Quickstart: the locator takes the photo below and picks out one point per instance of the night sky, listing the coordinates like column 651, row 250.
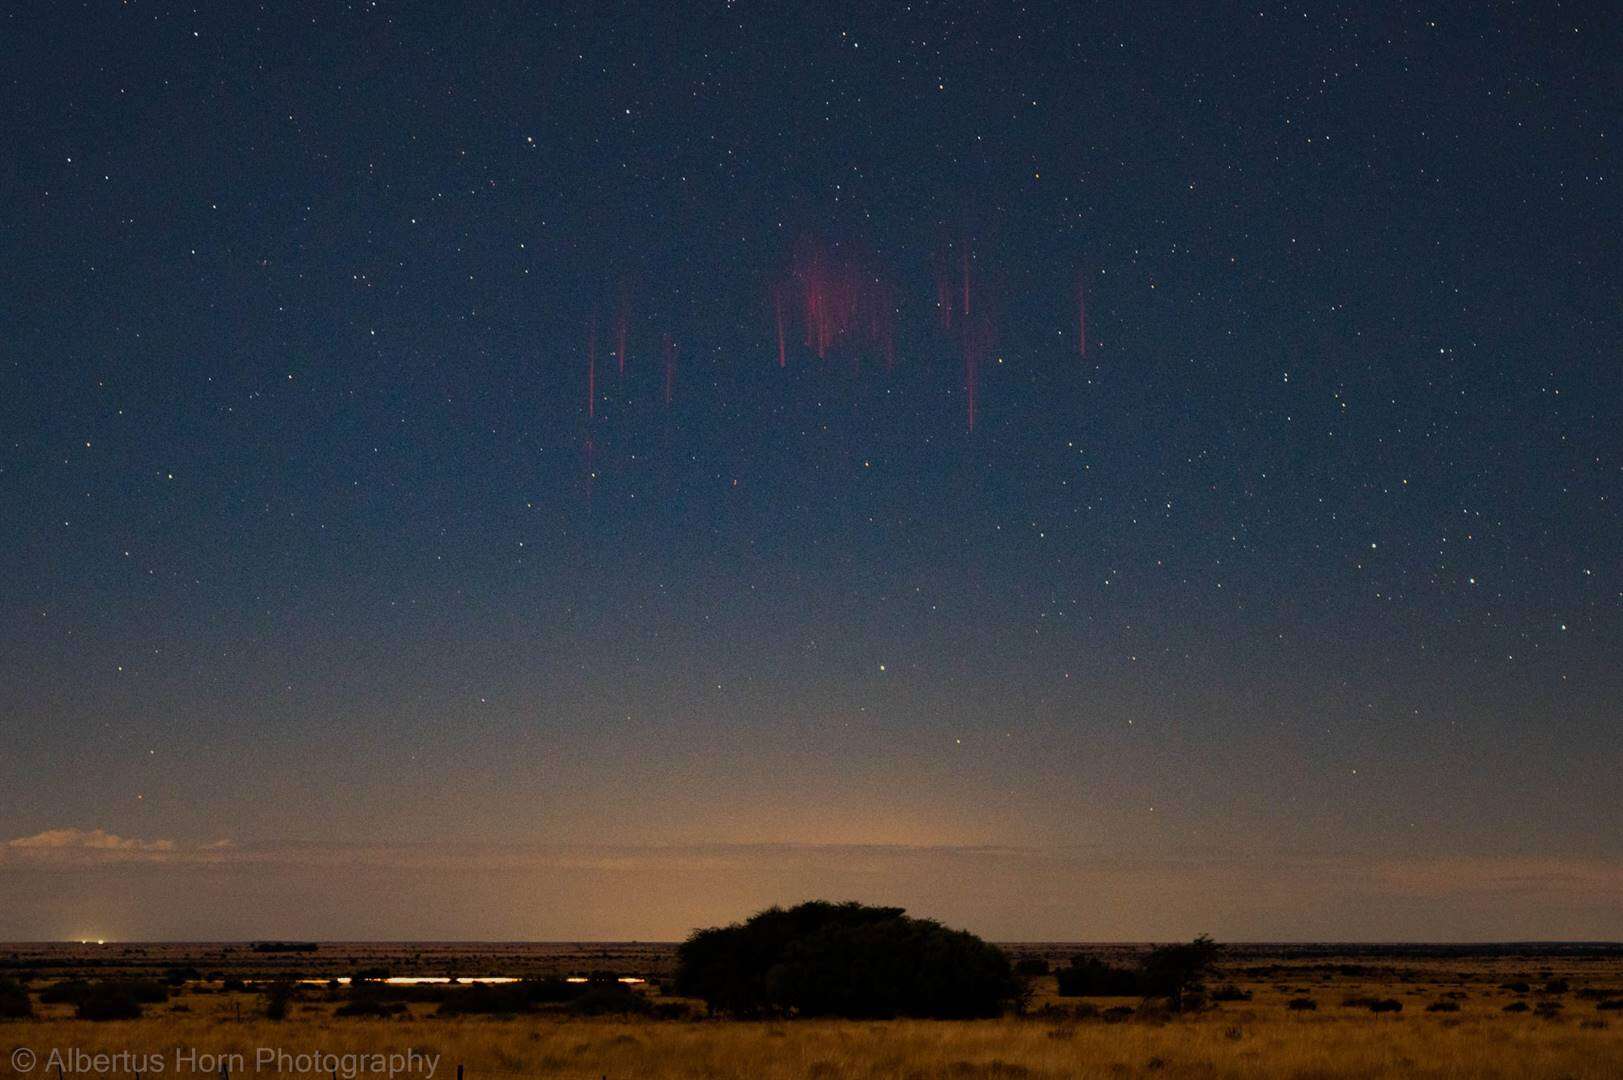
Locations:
column 1188, row 499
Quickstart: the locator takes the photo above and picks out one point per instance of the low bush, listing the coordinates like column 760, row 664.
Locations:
column 371, row 1007
column 610, row 999
column 1517, row 1007
column 1373, row 1004
column 1443, row 1006
column 480, row 999
column 109, row 1001
column 1088, row 977
column 1302, row 1005
column 1230, row 993
column 66, row 992
column 15, row 1003
column 277, row 997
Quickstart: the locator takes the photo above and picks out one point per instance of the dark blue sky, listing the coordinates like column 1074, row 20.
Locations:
column 311, row 543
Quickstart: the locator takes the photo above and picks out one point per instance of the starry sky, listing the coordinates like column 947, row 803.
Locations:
column 564, row 471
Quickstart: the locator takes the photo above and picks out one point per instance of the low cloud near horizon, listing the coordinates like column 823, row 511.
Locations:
column 74, row 882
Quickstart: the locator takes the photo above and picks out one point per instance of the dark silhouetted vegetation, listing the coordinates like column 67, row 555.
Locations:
column 15, row 1003
column 371, row 1007
column 845, row 960
column 1031, row 966
column 1443, row 1006
column 109, row 1000
column 603, row 995
column 1174, row 972
column 610, row 999
column 1302, row 1005
column 1177, row 972
column 1088, row 977
column 1374, row 1004
column 277, row 996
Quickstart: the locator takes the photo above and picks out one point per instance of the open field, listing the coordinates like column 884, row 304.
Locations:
column 1563, row 1032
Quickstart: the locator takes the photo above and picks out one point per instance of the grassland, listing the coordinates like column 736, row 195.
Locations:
column 1260, row 1037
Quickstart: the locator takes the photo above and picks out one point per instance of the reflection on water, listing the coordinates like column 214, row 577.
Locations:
column 420, row 980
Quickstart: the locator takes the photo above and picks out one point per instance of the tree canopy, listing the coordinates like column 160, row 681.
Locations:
column 845, row 960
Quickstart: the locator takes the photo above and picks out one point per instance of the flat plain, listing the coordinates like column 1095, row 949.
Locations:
column 1479, row 1011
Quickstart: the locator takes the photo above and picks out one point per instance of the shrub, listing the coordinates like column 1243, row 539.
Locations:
column 371, row 1007
column 1556, row 986
column 1031, row 966
column 15, row 1003
column 109, row 1001
column 1117, row 1013
column 845, row 960
column 1302, row 1005
column 483, row 999
column 277, row 995
column 104, row 994
column 1517, row 1007
column 1443, row 1006
column 1173, row 971
column 1373, row 1004
column 1230, row 993
column 66, row 992
column 1515, row 987
column 1610, row 1005
column 610, row 999
column 1088, row 977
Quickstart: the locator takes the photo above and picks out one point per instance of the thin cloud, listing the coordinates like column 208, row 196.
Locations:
column 90, row 846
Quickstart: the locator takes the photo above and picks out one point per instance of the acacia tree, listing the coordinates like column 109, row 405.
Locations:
column 1176, row 972
column 848, row 960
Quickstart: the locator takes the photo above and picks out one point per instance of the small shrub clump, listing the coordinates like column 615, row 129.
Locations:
column 1374, row 1004
column 14, row 1001
column 109, row 1001
column 1089, row 977
column 1302, row 1004
column 1443, row 1006
column 371, row 1007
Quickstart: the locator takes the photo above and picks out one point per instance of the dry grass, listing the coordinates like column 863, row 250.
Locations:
column 1256, row 1038
column 1253, row 1039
